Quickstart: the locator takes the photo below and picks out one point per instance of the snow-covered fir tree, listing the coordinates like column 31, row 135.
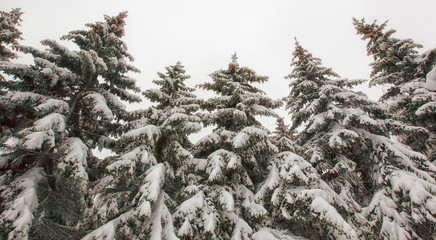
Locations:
column 9, row 33
column 398, row 64
column 149, row 173
column 9, row 36
column 56, row 110
column 296, row 197
column 338, row 173
column 347, row 140
column 283, row 138
column 174, row 114
column 230, row 162
column 298, row 200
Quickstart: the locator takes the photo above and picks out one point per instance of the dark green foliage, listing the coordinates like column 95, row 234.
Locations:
column 346, row 137
column 148, row 172
column 231, row 161
column 59, row 108
column 9, row 33
column 337, row 173
column 397, row 62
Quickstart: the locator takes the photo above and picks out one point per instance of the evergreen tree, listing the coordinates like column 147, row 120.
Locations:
column 56, row 111
column 284, row 138
column 347, row 140
column 174, row 115
column 398, row 63
column 230, row 162
column 299, row 200
column 149, row 173
column 9, row 33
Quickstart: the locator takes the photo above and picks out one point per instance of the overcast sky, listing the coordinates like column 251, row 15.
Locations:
column 204, row 34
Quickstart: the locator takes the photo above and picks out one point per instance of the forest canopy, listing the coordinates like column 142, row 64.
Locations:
column 347, row 167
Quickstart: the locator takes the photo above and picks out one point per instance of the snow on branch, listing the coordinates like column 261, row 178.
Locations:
column 191, row 205
column 151, row 132
column 53, row 121
column 113, row 100
column 59, row 48
column 152, row 186
column 160, row 216
column 243, row 137
column 107, row 231
column 266, row 233
column 35, row 140
column 219, row 161
column 426, row 109
column 241, row 229
column 329, row 214
column 54, row 105
column 129, row 160
column 339, row 137
column 22, row 98
column 99, row 106
column 75, row 156
column 20, row 211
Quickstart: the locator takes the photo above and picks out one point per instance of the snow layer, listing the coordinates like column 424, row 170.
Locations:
column 329, row 214
column 129, row 160
column 99, row 105
column 76, row 154
column 273, row 234
column 427, row 108
column 241, row 229
column 226, row 199
column 107, row 231
column 35, row 140
column 154, row 180
column 54, row 121
column 54, row 105
column 218, row 161
column 243, row 137
column 151, row 131
column 210, row 222
column 191, row 205
column 20, row 212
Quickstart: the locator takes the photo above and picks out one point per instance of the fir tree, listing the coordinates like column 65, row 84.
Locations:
column 284, row 138
column 57, row 110
column 299, row 200
column 230, row 161
column 347, row 140
column 174, row 115
column 9, row 33
column 398, row 63
column 149, row 173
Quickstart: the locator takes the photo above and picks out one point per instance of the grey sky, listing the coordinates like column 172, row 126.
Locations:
column 203, row 34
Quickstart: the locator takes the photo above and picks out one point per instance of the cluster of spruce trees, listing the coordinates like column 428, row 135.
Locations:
column 347, row 168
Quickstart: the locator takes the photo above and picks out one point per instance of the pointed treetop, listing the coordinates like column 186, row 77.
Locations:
column 173, row 90
column 117, row 23
column 234, row 63
column 103, row 37
column 394, row 59
column 304, row 62
column 281, row 128
column 235, row 57
column 175, row 76
column 176, row 71
column 371, row 30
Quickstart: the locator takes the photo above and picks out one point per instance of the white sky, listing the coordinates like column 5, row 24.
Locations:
column 203, row 34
